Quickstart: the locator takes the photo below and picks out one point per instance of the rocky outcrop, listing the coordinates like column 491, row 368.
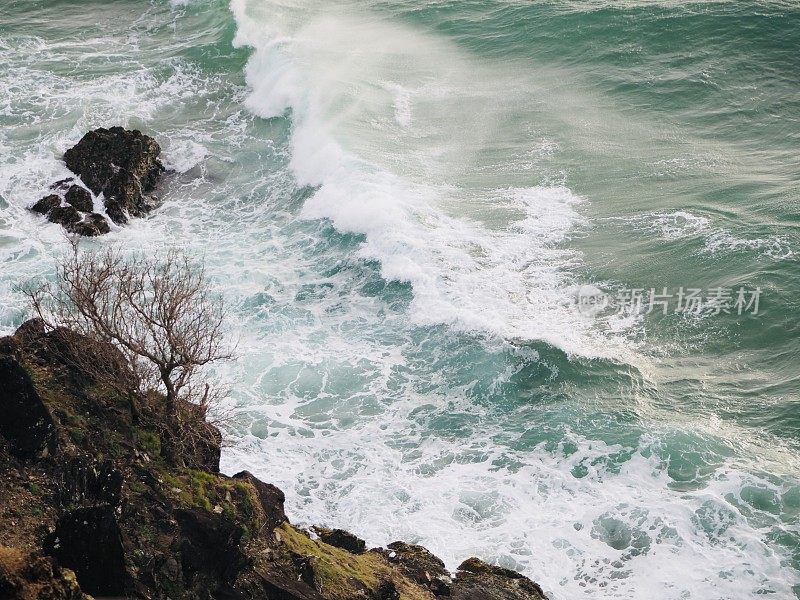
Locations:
column 26, row 424
column 89, row 542
column 341, row 539
column 477, row 580
column 94, row 493
column 121, row 166
column 422, row 567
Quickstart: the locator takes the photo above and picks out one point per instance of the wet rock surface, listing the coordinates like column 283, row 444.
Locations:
column 121, row 165
column 95, row 494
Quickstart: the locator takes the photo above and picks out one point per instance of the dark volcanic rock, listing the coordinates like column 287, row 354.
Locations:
column 63, row 184
column 92, row 225
column 46, row 204
column 421, row 566
column 271, row 499
column 26, row 422
column 477, row 580
column 88, row 541
column 123, row 165
column 80, row 198
column 209, row 548
column 341, row 539
column 64, row 215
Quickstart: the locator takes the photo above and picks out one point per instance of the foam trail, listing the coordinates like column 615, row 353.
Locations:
column 391, row 124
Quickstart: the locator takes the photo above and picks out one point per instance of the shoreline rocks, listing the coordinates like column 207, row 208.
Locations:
column 121, row 166
column 94, row 494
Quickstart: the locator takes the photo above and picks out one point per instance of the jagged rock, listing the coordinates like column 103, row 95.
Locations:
column 123, row 165
column 341, row 539
column 477, row 580
column 64, row 215
column 46, row 204
column 79, row 198
column 63, row 184
column 421, row 566
column 31, row 576
column 271, row 498
column 26, row 422
column 88, row 541
column 92, row 225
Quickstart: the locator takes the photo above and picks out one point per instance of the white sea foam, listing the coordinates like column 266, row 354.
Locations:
column 679, row 225
column 605, row 534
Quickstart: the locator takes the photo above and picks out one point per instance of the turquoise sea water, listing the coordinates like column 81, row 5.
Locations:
column 400, row 201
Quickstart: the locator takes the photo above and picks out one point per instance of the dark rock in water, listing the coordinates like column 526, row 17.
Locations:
column 271, row 498
column 80, row 198
column 26, row 422
column 91, row 226
column 46, row 204
column 88, row 541
column 26, row 576
column 477, row 580
column 341, row 539
column 421, row 566
column 64, row 215
column 121, row 164
column 63, row 184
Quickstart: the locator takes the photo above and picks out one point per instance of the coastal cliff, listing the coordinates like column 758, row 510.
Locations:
column 89, row 506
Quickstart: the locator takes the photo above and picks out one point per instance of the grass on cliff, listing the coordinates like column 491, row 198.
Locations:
column 336, row 570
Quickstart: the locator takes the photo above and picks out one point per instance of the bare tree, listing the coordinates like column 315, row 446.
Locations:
column 158, row 313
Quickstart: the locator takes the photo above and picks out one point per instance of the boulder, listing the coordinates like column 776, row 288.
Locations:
column 271, row 498
column 46, row 204
column 92, row 225
column 64, row 215
column 341, row 539
column 210, row 550
column 26, row 422
column 88, row 541
column 122, row 165
column 80, row 198
column 421, row 566
column 477, row 580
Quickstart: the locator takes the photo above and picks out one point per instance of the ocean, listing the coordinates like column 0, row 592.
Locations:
column 403, row 204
